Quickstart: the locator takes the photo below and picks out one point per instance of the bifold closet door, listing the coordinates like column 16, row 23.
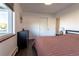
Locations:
column 57, row 24
column 43, row 26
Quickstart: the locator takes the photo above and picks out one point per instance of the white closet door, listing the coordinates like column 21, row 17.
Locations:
column 43, row 26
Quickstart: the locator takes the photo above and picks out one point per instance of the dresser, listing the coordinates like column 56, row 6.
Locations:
column 22, row 39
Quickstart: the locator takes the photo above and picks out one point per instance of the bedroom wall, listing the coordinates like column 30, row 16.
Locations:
column 18, row 14
column 69, row 18
column 32, row 22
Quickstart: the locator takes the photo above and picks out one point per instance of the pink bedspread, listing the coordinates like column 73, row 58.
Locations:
column 66, row 45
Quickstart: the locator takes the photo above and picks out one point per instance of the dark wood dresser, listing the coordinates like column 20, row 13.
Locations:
column 22, row 39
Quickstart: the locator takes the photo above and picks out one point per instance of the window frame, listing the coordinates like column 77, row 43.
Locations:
column 11, row 28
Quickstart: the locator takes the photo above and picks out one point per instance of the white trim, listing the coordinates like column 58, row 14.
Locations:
column 14, row 51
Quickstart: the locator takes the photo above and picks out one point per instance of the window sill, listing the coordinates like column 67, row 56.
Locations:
column 6, row 37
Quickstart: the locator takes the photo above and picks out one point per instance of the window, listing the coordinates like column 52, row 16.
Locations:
column 6, row 20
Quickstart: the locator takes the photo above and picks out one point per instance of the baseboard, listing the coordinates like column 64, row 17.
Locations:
column 14, row 51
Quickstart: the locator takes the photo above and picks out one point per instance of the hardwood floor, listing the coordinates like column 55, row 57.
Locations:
column 27, row 51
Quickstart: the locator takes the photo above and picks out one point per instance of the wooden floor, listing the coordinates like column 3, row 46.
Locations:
column 27, row 51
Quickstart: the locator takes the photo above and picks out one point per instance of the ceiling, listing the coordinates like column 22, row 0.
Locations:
column 42, row 8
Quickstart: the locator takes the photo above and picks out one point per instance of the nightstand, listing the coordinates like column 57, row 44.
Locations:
column 59, row 34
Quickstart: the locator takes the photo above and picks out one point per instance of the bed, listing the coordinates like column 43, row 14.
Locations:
column 64, row 45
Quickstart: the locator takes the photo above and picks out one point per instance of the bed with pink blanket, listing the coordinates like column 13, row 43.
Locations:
column 65, row 45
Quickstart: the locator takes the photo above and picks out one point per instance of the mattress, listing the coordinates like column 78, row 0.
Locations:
column 65, row 45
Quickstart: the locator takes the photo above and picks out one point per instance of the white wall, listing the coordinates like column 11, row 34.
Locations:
column 18, row 13
column 9, row 46
column 31, row 21
column 69, row 18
